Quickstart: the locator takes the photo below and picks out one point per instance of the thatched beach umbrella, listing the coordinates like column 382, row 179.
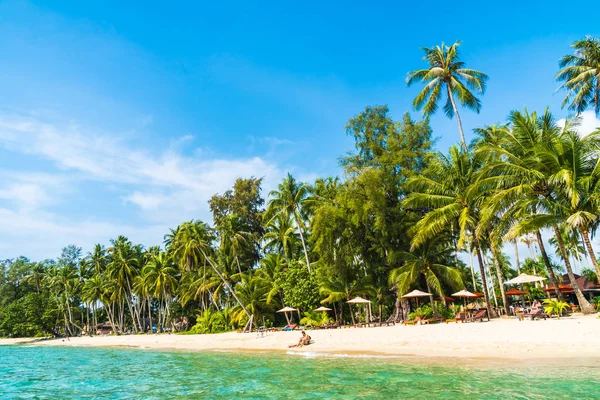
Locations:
column 287, row 310
column 360, row 300
column 415, row 294
column 465, row 294
column 324, row 309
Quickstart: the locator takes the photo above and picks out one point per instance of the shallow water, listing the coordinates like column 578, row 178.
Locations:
column 75, row 373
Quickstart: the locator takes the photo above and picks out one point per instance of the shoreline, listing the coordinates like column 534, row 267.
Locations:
column 573, row 341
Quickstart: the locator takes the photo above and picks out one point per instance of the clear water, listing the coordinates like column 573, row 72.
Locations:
column 76, row 373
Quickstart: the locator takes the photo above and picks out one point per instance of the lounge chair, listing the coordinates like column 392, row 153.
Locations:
column 434, row 320
column 537, row 314
column 479, row 315
column 415, row 321
column 461, row 316
column 290, row 327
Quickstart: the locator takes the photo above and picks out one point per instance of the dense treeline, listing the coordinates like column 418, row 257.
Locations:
column 398, row 220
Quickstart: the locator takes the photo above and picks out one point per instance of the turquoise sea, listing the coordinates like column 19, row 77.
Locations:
column 92, row 373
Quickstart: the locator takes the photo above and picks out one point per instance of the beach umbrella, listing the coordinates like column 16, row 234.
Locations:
column 524, row 278
column 287, row 310
column 359, row 300
column 324, row 309
column 415, row 294
column 516, row 292
column 465, row 294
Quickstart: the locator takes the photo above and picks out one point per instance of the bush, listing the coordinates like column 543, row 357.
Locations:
column 315, row 319
column 555, row 306
column 211, row 322
column 427, row 312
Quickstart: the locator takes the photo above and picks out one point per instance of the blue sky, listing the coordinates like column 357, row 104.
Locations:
column 125, row 118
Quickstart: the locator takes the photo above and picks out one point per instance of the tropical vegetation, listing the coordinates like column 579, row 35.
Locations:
column 402, row 216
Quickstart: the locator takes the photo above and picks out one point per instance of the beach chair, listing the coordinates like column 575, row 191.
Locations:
column 290, row 327
column 434, row 320
column 412, row 321
column 461, row 316
column 479, row 315
column 537, row 314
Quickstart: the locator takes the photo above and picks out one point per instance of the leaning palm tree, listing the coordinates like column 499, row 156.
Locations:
column 580, row 73
column 447, row 73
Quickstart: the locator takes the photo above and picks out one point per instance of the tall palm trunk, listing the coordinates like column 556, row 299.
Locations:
column 111, row 319
column 519, row 270
column 472, row 270
column 590, row 250
column 551, row 273
column 435, row 311
column 460, row 128
column 586, row 307
column 500, row 277
column 490, row 310
column 131, row 308
column 297, row 218
column 150, row 313
column 489, row 273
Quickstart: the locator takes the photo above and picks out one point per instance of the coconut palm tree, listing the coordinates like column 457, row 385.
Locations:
column 288, row 200
column 124, row 266
column 281, row 236
column 530, row 182
column 190, row 243
column 447, row 190
column 580, row 73
column 428, row 261
column 159, row 279
column 446, row 73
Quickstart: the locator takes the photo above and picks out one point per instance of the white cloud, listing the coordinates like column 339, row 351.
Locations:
column 588, row 123
column 166, row 187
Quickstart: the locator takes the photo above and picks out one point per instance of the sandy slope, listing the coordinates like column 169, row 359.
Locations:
column 575, row 339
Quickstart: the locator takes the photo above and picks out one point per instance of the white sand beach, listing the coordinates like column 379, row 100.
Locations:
column 574, row 339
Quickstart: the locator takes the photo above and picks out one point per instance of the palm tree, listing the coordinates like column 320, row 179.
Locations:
column 123, row 268
column 159, row 277
column 271, row 267
column 288, row 200
column 191, row 244
column 580, row 73
column 447, row 73
column 235, row 239
column 427, row 261
column 343, row 287
column 281, row 236
column 448, row 191
column 531, row 181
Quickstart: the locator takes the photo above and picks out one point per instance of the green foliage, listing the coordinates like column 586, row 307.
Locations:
column 300, row 287
column 32, row 315
column 211, row 322
column 313, row 318
column 555, row 306
column 535, row 293
column 427, row 312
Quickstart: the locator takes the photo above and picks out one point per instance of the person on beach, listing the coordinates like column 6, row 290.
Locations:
column 536, row 305
column 304, row 341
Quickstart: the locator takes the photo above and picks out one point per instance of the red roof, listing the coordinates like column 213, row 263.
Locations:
column 515, row 292
column 583, row 284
